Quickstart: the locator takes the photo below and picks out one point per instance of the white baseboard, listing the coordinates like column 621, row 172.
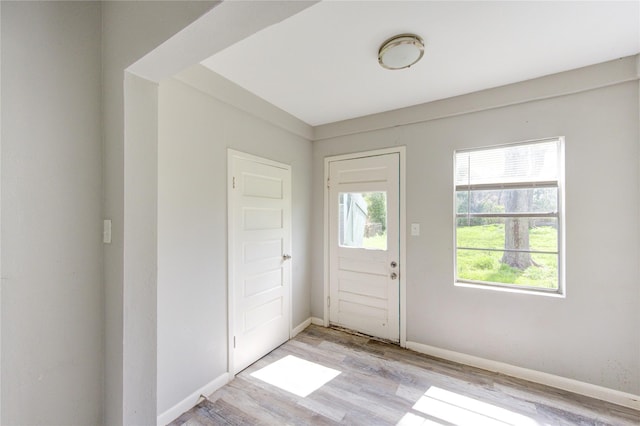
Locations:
column 192, row 400
column 317, row 321
column 575, row 386
column 304, row 324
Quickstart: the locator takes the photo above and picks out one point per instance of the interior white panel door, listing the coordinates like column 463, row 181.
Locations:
column 364, row 245
column 259, row 250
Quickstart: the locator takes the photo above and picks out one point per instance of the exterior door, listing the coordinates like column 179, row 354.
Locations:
column 364, row 245
column 259, row 256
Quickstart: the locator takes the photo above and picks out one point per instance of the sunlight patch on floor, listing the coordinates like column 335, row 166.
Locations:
column 462, row 410
column 296, row 375
column 411, row 419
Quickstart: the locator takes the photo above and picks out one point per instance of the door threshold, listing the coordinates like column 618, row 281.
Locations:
column 360, row 334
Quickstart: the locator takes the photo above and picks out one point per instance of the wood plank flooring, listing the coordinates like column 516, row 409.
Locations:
column 383, row 384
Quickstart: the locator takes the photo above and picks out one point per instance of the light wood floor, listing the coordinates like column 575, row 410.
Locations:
column 382, row 384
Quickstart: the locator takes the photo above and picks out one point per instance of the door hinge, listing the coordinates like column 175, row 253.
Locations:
column 328, row 183
column 234, row 342
column 234, row 182
column 328, row 302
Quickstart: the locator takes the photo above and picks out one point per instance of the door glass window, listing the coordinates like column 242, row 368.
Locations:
column 363, row 220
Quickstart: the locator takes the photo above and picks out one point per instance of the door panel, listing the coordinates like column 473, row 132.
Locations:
column 260, row 273
column 262, row 219
column 364, row 243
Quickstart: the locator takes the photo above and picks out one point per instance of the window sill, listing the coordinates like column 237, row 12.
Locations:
column 554, row 294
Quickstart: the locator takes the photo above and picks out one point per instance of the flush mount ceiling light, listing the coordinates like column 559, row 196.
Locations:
column 401, row 51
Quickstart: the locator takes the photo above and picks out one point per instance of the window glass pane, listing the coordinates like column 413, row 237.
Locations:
column 532, row 200
column 529, row 234
column 543, row 234
column 508, row 164
column 488, row 266
column 481, row 233
column 493, row 245
column 363, row 220
column 462, row 205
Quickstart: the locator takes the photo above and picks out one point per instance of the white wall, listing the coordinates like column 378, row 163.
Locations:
column 592, row 334
column 52, row 310
column 195, row 130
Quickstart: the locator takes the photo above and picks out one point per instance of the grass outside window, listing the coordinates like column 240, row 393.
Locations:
column 508, row 203
column 485, row 266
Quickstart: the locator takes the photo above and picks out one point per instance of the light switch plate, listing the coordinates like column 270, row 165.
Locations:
column 106, row 231
column 415, row 229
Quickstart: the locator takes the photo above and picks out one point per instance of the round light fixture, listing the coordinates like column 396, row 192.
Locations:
column 401, row 51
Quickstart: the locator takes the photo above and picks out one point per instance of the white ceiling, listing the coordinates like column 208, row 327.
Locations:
column 321, row 64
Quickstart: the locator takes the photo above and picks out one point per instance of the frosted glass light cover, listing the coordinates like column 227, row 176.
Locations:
column 401, row 52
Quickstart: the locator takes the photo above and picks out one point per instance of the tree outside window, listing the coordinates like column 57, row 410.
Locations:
column 508, row 221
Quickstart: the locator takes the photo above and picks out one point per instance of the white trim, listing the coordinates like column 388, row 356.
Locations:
column 230, row 249
column 325, row 249
column 403, row 247
column 562, row 224
column 317, row 321
column 594, row 391
column 507, row 289
column 231, row 154
column 261, row 160
column 300, row 327
column 192, row 400
column 402, row 219
column 1, row 280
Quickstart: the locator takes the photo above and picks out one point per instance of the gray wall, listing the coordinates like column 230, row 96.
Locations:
column 62, row 85
column 130, row 30
column 62, row 168
column 592, row 334
column 52, row 308
column 195, row 130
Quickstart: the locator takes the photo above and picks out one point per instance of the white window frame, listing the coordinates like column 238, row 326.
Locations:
column 560, row 215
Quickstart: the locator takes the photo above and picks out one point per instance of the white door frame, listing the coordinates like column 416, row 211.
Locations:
column 231, row 153
column 401, row 150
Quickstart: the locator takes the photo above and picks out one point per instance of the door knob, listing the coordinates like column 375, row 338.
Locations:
column 286, row 256
column 394, row 264
column 394, row 276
